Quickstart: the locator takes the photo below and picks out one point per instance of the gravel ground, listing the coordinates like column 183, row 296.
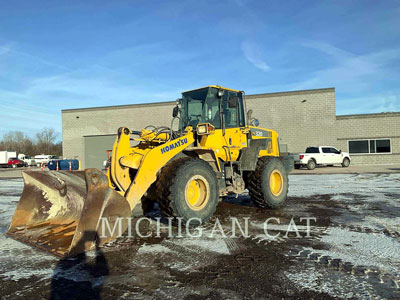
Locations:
column 351, row 252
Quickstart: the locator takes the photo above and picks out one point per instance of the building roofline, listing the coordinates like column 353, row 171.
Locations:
column 368, row 115
column 298, row 92
column 213, row 86
column 123, row 106
column 312, row 91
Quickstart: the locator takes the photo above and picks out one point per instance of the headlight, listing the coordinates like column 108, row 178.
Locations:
column 205, row 128
column 202, row 129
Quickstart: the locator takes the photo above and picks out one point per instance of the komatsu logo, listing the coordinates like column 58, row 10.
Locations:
column 174, row 145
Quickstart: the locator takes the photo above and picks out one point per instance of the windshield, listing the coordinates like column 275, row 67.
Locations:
column 192, row 107
column 202, row 106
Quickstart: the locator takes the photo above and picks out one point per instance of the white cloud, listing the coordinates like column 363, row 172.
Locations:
column 375, row 103
column 350, row 72
column 4, row 50
column 254, row 55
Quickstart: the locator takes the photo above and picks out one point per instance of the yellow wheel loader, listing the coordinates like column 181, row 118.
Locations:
column 217, row 150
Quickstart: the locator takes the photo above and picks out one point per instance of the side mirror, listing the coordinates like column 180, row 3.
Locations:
column 175, row 111
column 256, row 122
column 340, row 151
column 220, row 93
column 233, row 102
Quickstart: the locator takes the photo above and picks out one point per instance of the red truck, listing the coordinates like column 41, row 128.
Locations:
column 14, row 162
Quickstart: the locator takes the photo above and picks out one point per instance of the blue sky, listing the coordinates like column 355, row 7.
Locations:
column 68, row 54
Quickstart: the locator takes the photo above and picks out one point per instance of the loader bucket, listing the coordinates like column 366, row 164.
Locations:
column 57, row 210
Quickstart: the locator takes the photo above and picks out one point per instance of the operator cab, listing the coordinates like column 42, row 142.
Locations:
column 221, row 107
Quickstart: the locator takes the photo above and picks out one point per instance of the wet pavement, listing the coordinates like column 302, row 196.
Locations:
column 351, row 251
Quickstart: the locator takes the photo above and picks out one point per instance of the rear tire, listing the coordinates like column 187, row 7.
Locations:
column 311, row 164
column 268, row 184
column 297, row 167
column 346, row 162
column 188, row 188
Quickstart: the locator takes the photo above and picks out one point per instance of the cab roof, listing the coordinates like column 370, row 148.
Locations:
column 213, row 86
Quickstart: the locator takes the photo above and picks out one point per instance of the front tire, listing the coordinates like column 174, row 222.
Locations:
column 268, row 184
column 346, row 162
column 297, row 167
column 188, row 188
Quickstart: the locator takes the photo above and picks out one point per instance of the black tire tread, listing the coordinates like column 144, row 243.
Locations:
column 255, row 182
column 166, row 181
column 343, row 165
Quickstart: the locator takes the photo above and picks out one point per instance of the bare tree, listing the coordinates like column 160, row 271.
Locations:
column 45, row 143
column 16, row 141
column 45, row 139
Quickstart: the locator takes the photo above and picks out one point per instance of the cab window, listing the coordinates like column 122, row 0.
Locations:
column 212, row 113
column 194, row 112
column 312, row 150
column 326, row 150
column 230, row 113
column 334, row 151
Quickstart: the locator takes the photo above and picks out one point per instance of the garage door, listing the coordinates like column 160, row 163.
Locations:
column 95, row 149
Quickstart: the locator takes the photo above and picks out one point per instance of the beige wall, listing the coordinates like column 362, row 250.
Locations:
column 302, row 118
column 370, row 126
column 78, row 123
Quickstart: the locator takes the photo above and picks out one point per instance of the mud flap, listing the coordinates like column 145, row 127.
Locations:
column 64, row 212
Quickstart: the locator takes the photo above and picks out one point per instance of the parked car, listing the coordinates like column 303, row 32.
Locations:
column 28, row 159
column 44, row 159
column 322, row 155
column 14, row 162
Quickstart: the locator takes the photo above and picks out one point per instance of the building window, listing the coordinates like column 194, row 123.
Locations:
column 370, row 146
column 358, row 147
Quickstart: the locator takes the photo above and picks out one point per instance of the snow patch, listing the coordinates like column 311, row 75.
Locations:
column 369, row 185
column 362, row 249
column 213, row 245
column 153, row 249
column 343, row 287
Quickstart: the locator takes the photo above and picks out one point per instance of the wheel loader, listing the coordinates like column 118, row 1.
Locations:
column 216, row 150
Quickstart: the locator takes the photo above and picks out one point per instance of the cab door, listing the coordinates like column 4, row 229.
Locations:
column 336, row 156
column 326, row 156
column 235, row 138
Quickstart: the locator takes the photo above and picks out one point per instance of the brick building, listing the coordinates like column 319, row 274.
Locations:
column 302, row 118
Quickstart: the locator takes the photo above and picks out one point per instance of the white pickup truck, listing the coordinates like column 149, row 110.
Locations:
column 30, row 161
column 324, row 155
column 43, row 159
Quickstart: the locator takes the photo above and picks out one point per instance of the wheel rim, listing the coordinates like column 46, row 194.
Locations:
column 276, row 182
column 197, row 192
